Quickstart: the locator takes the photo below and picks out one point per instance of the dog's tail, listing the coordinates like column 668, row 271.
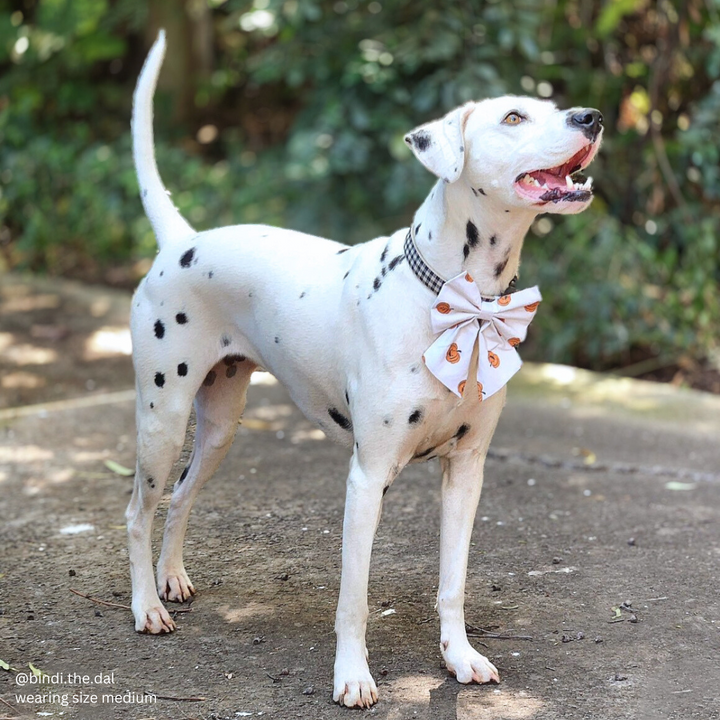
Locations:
column 164, row 217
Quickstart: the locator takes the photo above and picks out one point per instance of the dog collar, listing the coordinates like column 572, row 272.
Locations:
column 427, row 276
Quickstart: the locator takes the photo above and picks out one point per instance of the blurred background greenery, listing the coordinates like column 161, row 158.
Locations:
column 292, row 112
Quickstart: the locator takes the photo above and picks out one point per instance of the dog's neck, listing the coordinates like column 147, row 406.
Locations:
column 462, row 229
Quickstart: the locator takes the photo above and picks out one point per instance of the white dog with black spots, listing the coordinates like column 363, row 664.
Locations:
column 344, row 329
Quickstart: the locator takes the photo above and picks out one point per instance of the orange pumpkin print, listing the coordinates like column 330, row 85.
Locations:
column 494, row 359
column 480, row 391
column 461, row 387
column 443, row 308
column 453, row 354
column 514, row 342
column 532, row 307
column 469, row 277
column 504, row 300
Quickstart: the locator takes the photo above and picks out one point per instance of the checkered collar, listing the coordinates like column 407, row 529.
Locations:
column 426, row 274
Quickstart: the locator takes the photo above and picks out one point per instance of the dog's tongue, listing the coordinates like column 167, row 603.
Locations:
column 547, row 178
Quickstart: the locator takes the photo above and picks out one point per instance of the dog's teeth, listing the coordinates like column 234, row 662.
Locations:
column 568, row 181
column 587, row 185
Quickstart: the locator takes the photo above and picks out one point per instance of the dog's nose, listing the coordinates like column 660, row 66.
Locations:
column 589, row 120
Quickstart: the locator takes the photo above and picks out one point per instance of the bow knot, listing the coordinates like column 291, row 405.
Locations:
column 463, row 318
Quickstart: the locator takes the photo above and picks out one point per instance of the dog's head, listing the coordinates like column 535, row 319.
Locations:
column 520, row 151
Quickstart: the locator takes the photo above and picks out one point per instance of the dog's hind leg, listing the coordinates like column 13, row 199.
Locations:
column 161, row 424
column 218, row 405
column 461, row 486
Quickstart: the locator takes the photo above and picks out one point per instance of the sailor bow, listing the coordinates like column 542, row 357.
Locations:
column 464, row 318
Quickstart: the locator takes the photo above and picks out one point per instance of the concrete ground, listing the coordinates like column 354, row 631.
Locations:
column 596, row 554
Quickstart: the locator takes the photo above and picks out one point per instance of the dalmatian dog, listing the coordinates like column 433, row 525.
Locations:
column 344, row 328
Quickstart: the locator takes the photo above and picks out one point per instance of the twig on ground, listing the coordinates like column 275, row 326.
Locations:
column 7, row 704
column 175, row 699
column 119, row 605
column 482, row 632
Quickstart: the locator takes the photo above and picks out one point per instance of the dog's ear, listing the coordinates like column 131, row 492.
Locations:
column 440, row 145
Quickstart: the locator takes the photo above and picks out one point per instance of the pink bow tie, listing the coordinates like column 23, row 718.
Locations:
column 464, row 318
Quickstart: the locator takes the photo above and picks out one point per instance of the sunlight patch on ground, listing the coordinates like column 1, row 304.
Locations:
column 108, row 341
column 261, row 377
column 6, row 340
column 303, row 435
column 25, row 454
column 21, row 379
column 29, row 303
column 240, row 614
column 28, row 355
column 498, row 705
column 415, row 689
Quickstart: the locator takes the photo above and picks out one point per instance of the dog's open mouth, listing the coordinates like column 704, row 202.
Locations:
column 557, row 184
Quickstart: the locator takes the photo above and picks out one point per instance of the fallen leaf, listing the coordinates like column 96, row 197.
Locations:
column 674, row 485
column 118, row 469
column 7, row 667
column 37, row 672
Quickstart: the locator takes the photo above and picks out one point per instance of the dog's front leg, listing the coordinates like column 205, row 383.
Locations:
column 353, row 684
column 461, row 486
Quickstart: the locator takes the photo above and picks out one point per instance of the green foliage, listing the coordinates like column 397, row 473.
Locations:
column 308, row 101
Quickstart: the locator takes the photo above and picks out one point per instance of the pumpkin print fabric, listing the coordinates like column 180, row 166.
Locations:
column 462, row 318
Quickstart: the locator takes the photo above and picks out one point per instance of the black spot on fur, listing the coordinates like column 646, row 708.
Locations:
column 475, row 192
column 462, row 149
column 414, row 368
column 159, row 379
column 481, row 191
column 415, row 416
column 471, row 231
column 430, row 235
column 302, row 294
column 384, row 271
column 187, row 258
column 152, row 406
column 377, row 283
column 387, row 422
column 230, row 371
column 277, row 340
column 462, row 431
column 385, row 489
column 340, row 252
column 396, row 261
column 211, row 274
column 346, row 274
column 507, row 211
column 230, row 359
column 151, row 482
column 225, row 340
column 181, row 318
column 384, row 253
column 500, row 267
column 145, row 192
column 182, row 369
column 417, row 228
column 340, row 419
column 421, row 140
column 159, row 329
column 347, row 397
column 210, row 378
column 184, row 474
column 466, row 251
column 162, row 272
column 424, row 453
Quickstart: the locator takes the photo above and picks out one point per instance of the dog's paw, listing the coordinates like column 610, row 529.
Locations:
column 154, row 620
column 354, row 685
column 467, row 664
column 175, row 586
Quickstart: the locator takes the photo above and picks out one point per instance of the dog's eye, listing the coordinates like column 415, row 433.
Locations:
column 513, row 118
